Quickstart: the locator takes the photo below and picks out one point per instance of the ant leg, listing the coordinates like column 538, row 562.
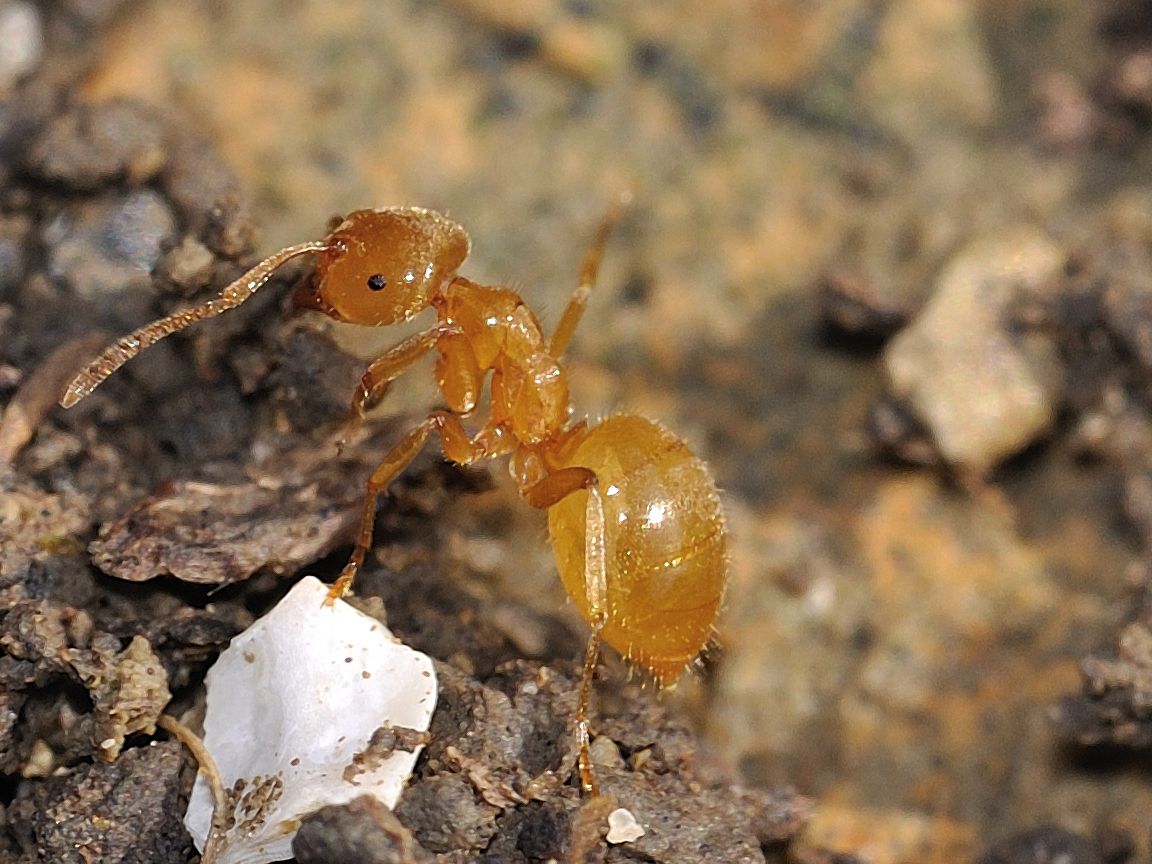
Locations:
column 558, row 485
column 588, row 271
column 127, row 347
column 596, row 587
column 457, row 448
column 383, row 371
column 545, row 493
column 398, row 458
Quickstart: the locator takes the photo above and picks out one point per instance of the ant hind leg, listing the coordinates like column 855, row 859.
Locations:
column 546, row 492
column 596, row 586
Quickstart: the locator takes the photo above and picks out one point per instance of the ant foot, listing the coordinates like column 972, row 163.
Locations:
column 351, row 427
column 342, row 587
column 588, row 783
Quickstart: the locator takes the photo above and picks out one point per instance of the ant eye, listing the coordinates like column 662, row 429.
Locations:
column 377, row 282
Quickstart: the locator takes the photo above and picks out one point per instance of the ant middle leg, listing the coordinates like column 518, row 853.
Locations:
column 589, row 269
column 457, row 448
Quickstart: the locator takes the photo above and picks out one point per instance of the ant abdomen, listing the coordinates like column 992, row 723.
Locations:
column 664, row 539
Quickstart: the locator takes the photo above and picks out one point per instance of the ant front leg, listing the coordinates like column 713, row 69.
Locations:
column 457, row 448
column 551, row 490
column 383, row 371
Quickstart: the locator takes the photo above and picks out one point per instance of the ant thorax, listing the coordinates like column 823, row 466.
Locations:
column 492, row 330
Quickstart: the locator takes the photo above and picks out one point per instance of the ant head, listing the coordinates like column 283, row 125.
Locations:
column 383, row 266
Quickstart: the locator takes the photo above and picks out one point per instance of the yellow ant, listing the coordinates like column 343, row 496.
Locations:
column 634, row 517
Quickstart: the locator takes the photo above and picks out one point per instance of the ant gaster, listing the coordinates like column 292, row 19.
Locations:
column 633, row 516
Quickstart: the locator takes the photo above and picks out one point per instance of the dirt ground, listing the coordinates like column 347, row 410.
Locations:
column 888, row 271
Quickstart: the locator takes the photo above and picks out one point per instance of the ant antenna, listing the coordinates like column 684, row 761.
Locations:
column 127, row 347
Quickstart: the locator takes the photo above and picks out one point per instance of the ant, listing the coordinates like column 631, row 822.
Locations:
column 633, row 516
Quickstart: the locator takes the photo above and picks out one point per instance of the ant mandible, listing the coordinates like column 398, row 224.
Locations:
column 634, row 517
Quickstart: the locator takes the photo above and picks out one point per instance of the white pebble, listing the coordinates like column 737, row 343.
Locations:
column 21, row 41
column 291, row 703
column 983, row 390
column 623, row 827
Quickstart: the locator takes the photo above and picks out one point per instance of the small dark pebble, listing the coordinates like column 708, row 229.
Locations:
column 900, row 434
column 207, row 195
column 537, row 832
column 96, row 145
column 1117, row 689
column 109, row 245
column 126, row 812
column 854, row 309
column 543, row 833
column 189, row 640
column 363, row 831
column 446, row 814
column 1049, row 844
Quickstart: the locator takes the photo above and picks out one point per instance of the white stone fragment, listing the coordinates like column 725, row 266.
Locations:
column 623, row 827
column 21, row 41
column 291, row 703
column 982, row 390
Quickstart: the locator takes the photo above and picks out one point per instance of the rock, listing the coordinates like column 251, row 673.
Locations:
column 21, row 41
column 1114, row 707
column 464, row 820
column 95, row 145
column 984, row 391
column 363, row 831
column 293, row 705
column 121, row 813
column 109, row 245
